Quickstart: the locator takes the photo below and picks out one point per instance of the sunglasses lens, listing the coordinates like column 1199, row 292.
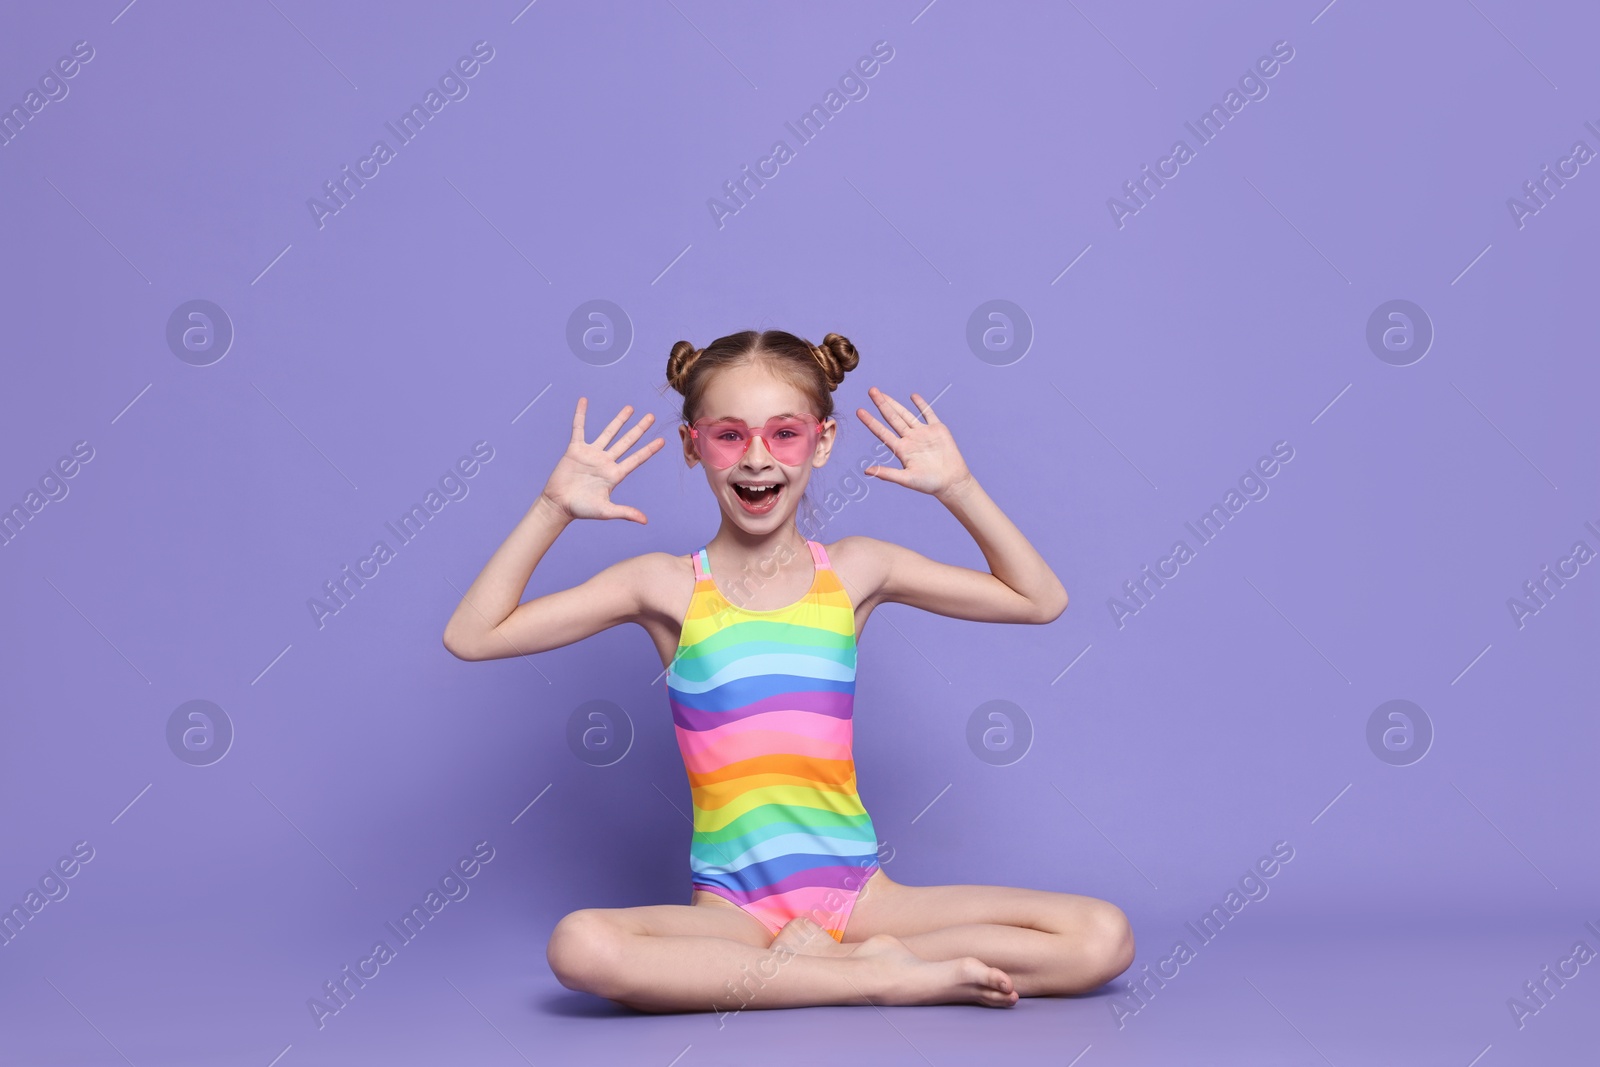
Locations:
column 722, row 443
column 789, row 440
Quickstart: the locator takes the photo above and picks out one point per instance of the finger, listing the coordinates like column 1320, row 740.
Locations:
column 628, row 465
column 904, row 413
column 888, row 474
column 622, row 511
column 890, row 409
column 884, row 433
column 926, row 409
column 611, row 427
column 626, row 440
column 577, row 419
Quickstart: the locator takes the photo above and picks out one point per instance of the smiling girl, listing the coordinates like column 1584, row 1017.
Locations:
column 758, row 630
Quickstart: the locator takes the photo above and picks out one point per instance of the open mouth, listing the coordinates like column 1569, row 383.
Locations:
column 757, row 499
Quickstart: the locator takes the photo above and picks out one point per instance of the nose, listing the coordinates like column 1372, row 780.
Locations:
column 752, row 458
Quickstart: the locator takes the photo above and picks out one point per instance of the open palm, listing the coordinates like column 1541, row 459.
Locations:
column 587, row 472
column 929, row 459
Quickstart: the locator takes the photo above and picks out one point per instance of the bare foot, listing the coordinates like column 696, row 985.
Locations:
column 807, row 937
column 896, row 975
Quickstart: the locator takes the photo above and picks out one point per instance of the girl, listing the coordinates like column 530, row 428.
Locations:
column 758, row 630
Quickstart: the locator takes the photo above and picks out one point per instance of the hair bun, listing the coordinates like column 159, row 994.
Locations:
column 837, row 356
column 678, row 363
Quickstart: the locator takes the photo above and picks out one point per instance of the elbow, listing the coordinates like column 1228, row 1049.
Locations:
column 1052, row 609
column 454, row 646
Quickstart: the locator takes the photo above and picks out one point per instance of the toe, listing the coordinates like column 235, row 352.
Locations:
column 1000, row 979
column 997, row 999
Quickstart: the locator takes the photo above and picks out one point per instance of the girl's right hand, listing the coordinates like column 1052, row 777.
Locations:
column 581, row 484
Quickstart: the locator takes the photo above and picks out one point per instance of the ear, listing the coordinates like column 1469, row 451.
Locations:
column 825, row 439
column 690, row 456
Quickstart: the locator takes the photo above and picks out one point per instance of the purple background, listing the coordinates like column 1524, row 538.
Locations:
column 430, row 312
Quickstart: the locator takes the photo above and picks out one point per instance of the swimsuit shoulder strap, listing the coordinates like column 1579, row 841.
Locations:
column 702, row 564
column 819, row 555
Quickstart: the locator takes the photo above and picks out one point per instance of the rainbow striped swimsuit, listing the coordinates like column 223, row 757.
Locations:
column 762, row 704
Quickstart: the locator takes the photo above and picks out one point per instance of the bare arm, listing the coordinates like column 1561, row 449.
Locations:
column 489, row 623
column 1020, row 586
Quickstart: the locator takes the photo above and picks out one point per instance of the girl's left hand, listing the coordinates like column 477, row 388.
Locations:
column 926, row 450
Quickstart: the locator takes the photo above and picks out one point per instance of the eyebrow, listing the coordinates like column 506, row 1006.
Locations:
column 735, row 418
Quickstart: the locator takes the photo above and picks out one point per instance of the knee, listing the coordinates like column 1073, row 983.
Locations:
column 1107, row 943
column 583, row 952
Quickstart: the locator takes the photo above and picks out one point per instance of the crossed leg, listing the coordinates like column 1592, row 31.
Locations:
column 713, row 956
column 1048, row 943
column 902, row 945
